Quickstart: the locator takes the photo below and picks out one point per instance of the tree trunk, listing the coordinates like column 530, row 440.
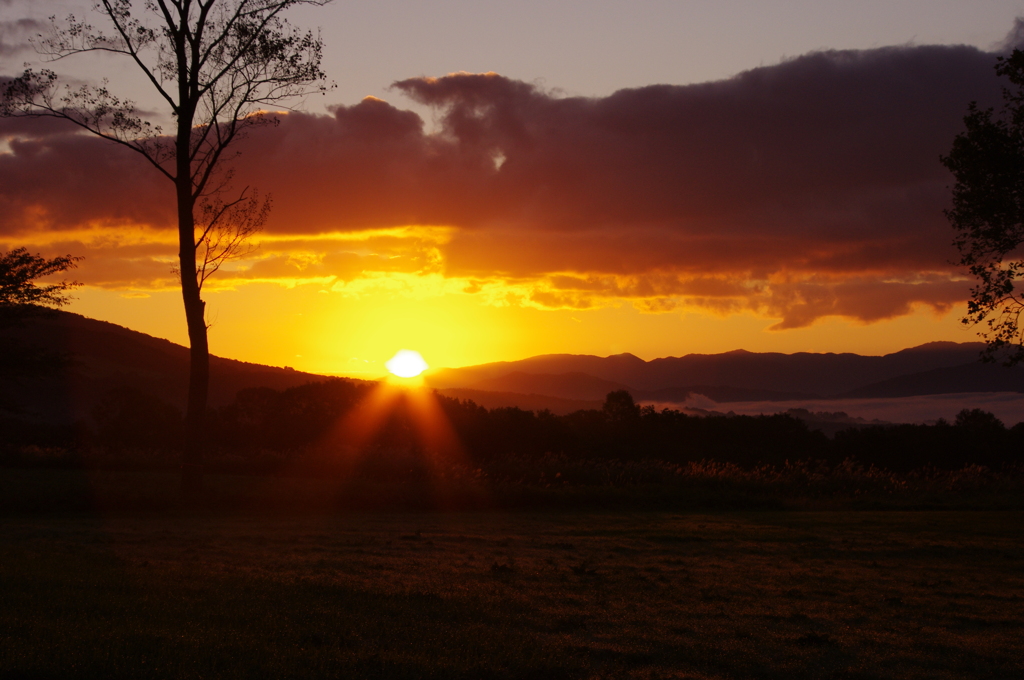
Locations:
column 195, row 317
column 199, row 353
column 198, row 388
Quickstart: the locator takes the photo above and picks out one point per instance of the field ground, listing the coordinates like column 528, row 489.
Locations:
column 591, row 594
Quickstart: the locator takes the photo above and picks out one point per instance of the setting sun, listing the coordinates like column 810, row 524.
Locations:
column 406, row 363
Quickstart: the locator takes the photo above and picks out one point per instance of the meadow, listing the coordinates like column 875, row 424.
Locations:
column 307, row 591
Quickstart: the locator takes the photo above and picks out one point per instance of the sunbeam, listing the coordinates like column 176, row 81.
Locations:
column 399, row 431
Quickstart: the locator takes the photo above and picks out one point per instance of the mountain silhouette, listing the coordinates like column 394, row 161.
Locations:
column 618, row 368
column 975, row 377
column 577, row 386
column 739, row 375
column 105, row 357
column 719, row 393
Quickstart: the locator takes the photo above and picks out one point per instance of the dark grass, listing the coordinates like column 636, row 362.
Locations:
column 522, row 483
column 162, row 592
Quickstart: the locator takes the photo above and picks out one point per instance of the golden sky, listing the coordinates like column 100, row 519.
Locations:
column 795, row 207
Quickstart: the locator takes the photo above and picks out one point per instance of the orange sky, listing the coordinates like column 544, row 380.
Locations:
column 310, row 330
column 795, row 207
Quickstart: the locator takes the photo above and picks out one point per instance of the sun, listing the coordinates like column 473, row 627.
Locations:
column 406, row 363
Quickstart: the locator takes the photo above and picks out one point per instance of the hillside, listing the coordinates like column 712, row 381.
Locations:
column 573, row 386
column 104, row 356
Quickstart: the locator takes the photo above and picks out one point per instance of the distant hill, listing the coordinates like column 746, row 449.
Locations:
column 975, row 377
column 578, row 386
column 803, row 372
column 718, row 393
column 933, row 368
column 620, row 368
column 105, row 356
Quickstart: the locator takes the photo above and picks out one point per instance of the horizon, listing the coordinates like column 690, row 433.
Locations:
column 890, row 392
column 433, row 369
column 595, row 214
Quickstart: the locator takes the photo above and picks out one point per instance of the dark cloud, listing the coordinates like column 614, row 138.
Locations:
column 801, row 190
column 801, row 303
column 29, row 127
column 1014, row 39
column 63, row 180
column 14, row 35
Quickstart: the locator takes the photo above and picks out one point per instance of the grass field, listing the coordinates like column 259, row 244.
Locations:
column 513, row 595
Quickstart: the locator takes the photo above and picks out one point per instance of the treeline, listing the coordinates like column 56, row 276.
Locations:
column 276, row 427
column 625, row 431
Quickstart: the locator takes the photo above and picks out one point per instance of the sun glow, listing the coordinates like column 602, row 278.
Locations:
column 391, row 424
column 406, row 363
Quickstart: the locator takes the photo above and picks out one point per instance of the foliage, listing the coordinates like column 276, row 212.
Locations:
column 987, row 161
column 305, row 430
column 263, row 418
column 19, row 292
column 620, row 407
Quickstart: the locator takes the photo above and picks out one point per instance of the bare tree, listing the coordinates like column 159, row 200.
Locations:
column 215, row 64
column 224, row 230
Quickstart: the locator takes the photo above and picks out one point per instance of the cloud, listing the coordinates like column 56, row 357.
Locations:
column 1013, row 40
column 62, row 180
column 866, row 299
column 14, row 35
column 123, row 258
column 807, row 189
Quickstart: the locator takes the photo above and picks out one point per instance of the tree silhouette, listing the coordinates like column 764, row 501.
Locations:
column 19, row 293
column 987, row 161
column 620, row 407
column 215, row 64
column 21, row 296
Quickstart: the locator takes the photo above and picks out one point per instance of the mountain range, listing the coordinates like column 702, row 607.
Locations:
column 104, row 357
column 933, row 368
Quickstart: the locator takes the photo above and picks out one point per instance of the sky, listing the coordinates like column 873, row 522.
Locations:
column 492, row 181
